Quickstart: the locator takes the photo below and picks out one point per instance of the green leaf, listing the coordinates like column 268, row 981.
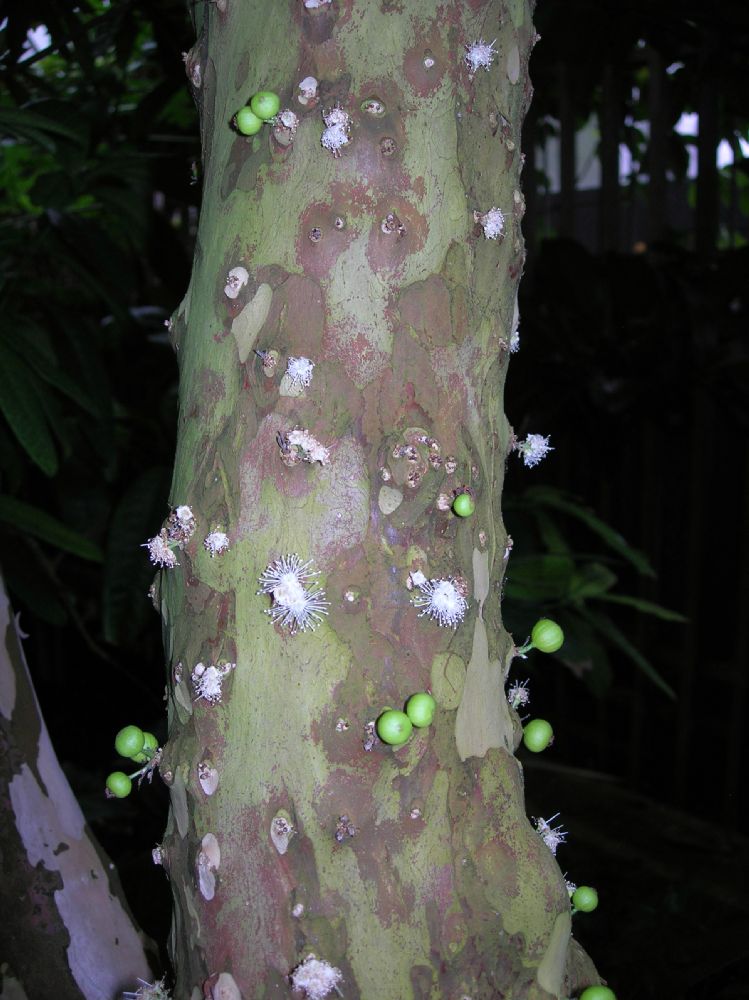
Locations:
column 549, row 497
column 540, row 579
column 591, row 580
column 647, row 607
column 606, row 627
column 33, row 521
column 551, row 536
column 31, row 347
column 19, row 395
column 25, row 124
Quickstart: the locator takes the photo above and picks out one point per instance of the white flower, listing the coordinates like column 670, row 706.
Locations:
column 479, row 54
column 571, row 886
column 416, row 579
column 207, row 681
column 288, row 120
column 216, row 543
column 307, row 90
column 236, row 279
column 338, row 125
column 296, row 603
column 159, row 551
column 519, row 694
column 311, row 4
column 300, row 370
column 180, row 525
column 442, row 601
column 149, row 991
column 515, row 342
column 315, row 977
column 492, row 222
column 533, row 449
column 300, row 446
column 552, row 836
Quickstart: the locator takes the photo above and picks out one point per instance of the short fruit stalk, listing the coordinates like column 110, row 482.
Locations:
column 546, row 637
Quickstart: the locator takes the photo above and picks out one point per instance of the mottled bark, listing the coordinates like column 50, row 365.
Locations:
column 65, row 931
column 371, row 264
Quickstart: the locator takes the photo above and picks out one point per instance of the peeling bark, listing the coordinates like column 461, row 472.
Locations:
column 65, row 929
column 412, row 870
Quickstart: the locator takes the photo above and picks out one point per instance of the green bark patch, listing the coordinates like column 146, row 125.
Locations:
column 248, row 324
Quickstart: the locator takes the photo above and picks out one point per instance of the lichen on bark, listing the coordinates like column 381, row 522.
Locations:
column 414, row 870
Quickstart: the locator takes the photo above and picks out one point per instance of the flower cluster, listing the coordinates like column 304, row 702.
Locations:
column 216, row 543
column 149, row 991
column 479, row 55
column 533, row 449
column 300, row 370
column 442, row 600
column 552, row 836
column 299, row 445
column 207, row 681
column 518, row 694
column 337, row 129
column 297, row 603
column 316, row 978
column 178, row 530
column 236, row 279
column 492, row 222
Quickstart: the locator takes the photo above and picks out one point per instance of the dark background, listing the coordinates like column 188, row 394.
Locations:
column 633, row 359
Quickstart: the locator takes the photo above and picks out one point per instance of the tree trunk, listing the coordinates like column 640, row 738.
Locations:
column 413, row 870
column 65, row 932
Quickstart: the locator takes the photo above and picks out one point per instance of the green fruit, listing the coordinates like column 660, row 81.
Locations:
column 598, row 993
column 394, row 727
column 585, row 899
column 129, row 741
column 546, row 636
column 420, row 709
column 265, row 104
column 119, row 784
column 150, row 743
column 248, row 122
column 463, row 505
column 537, row 735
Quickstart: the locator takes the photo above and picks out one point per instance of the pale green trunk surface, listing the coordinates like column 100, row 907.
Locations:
column 444, row 890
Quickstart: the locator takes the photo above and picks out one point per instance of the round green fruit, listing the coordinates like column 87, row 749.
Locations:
column 150, row 744
column 464, row 505
column 420, row 709
column 129, row 741
column 537, row 735
column 119, row 785
column 265, row 104
column 546, row 636
column 394, row 727
column 598, row 993
column 585, row 899
column 248, row 122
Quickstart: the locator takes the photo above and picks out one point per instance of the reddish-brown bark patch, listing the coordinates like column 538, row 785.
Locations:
column 319, row 242
column 425, row 306
column 425, row 80
column 386, row 251
column 361, row 360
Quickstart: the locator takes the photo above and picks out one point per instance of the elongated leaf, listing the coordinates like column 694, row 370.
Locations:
column 32, row 521
column 46, row 368
column 606, row 627
column 591, row 580
column 19, row 395
column 541, row 579
column 647, row 607
column 27, row 124
column 550, row 497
